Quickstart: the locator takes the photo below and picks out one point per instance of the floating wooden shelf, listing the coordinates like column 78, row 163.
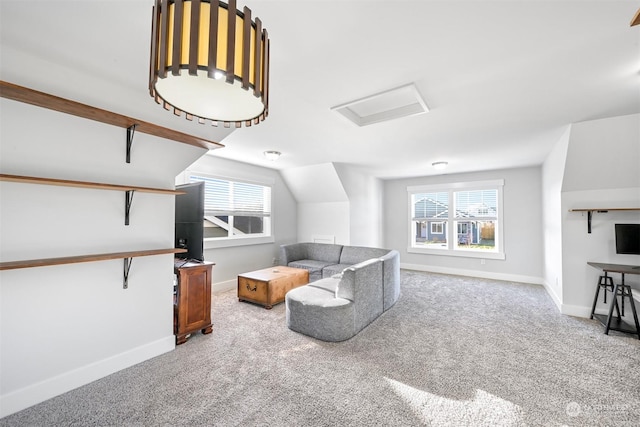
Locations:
column 603, row 209
column 128, row 189
column 41, row 99
column 126, row 256
column 85, row 184
column 44, row 100
column 590, row 212
column 12, row 265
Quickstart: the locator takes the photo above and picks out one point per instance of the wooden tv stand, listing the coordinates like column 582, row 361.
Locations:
column 192, row 299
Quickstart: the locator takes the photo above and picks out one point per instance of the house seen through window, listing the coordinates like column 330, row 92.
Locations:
column 235, row 210
column 457, row 219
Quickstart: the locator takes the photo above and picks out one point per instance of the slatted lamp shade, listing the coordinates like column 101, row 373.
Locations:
column 209, row 61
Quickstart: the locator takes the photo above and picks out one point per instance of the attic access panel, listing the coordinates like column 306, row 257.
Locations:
column 392, row 104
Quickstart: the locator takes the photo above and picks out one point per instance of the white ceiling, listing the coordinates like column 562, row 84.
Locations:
column 502, row 79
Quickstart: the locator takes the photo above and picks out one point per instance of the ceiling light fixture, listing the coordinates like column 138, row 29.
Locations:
column 210, row 61
column 439, row 165
column 272, row 155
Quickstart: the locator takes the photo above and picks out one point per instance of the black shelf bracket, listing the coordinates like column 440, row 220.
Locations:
column 590, row 216
column 130, row 132
column 128, row 198
column 127, row 267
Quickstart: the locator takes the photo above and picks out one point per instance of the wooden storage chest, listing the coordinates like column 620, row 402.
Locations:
column 268, row 286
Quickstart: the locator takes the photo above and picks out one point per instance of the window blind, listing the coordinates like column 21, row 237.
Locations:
column 231, row 198
column 430, row 205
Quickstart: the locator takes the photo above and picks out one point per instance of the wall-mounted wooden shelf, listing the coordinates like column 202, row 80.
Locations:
column 590, row 212
column 127, row 256
column 84, row 184
column 128, row 189
column 44, row 100
column 12, row 265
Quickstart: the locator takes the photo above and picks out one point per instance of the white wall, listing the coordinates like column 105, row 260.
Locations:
column 601, row 171
column 522, row 227
column 230, row 261
column 365, row 206
column 323, row 204
column 552, row 174
column 324, row 219
column 603, row 154
column 64, row 326
column 337, row 200
column 315, row 184
column 578, row 247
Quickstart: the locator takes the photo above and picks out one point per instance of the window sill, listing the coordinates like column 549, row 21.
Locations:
column 244, row 241
column 458, row 253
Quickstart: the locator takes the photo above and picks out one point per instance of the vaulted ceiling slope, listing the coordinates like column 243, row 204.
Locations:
column 502, row 79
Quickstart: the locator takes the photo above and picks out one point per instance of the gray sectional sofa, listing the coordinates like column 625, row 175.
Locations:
column 349, row 287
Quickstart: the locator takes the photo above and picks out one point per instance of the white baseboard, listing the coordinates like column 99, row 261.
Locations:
column 582, row 311
column 569, row 310
column 33, row 394
column 575, row 310
column 579, row 310
column 475, row 273
column 224, row 286
column 554, row 297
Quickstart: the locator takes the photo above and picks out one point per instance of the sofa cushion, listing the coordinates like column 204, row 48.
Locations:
column 354, row 254
column 333, row 269
column 318, row 313
column 313, row 266
column 328, row 284
column 326, row 252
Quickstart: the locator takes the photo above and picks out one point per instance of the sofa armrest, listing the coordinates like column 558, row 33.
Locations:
column 292, row 252
column 391, row 278
column 359, row 276
column 362, row 284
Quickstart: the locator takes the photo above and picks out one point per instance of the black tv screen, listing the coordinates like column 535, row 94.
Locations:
column 189, row 220
column 628, row 239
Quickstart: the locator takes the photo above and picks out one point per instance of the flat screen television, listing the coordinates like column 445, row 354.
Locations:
column 189, row 221
column 628, row 239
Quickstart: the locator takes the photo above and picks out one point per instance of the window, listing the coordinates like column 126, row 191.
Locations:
column 235, row 211
column 460, row 219
column 437, row 227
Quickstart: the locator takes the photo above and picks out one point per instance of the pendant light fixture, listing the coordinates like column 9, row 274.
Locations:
column 209, row 61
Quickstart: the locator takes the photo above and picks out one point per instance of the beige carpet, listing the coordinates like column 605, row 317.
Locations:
column 453, row 351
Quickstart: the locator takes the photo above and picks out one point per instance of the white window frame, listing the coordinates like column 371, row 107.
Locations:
column 238, row 240
column 440, row 223
column 452, row 249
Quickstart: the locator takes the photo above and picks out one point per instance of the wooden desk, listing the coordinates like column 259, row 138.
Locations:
column 619, row 289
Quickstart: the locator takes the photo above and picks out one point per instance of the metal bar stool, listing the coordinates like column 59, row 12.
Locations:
column 623, row 291
column 605, row 282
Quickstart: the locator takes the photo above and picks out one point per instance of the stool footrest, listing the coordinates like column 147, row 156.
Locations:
column 617, row 324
